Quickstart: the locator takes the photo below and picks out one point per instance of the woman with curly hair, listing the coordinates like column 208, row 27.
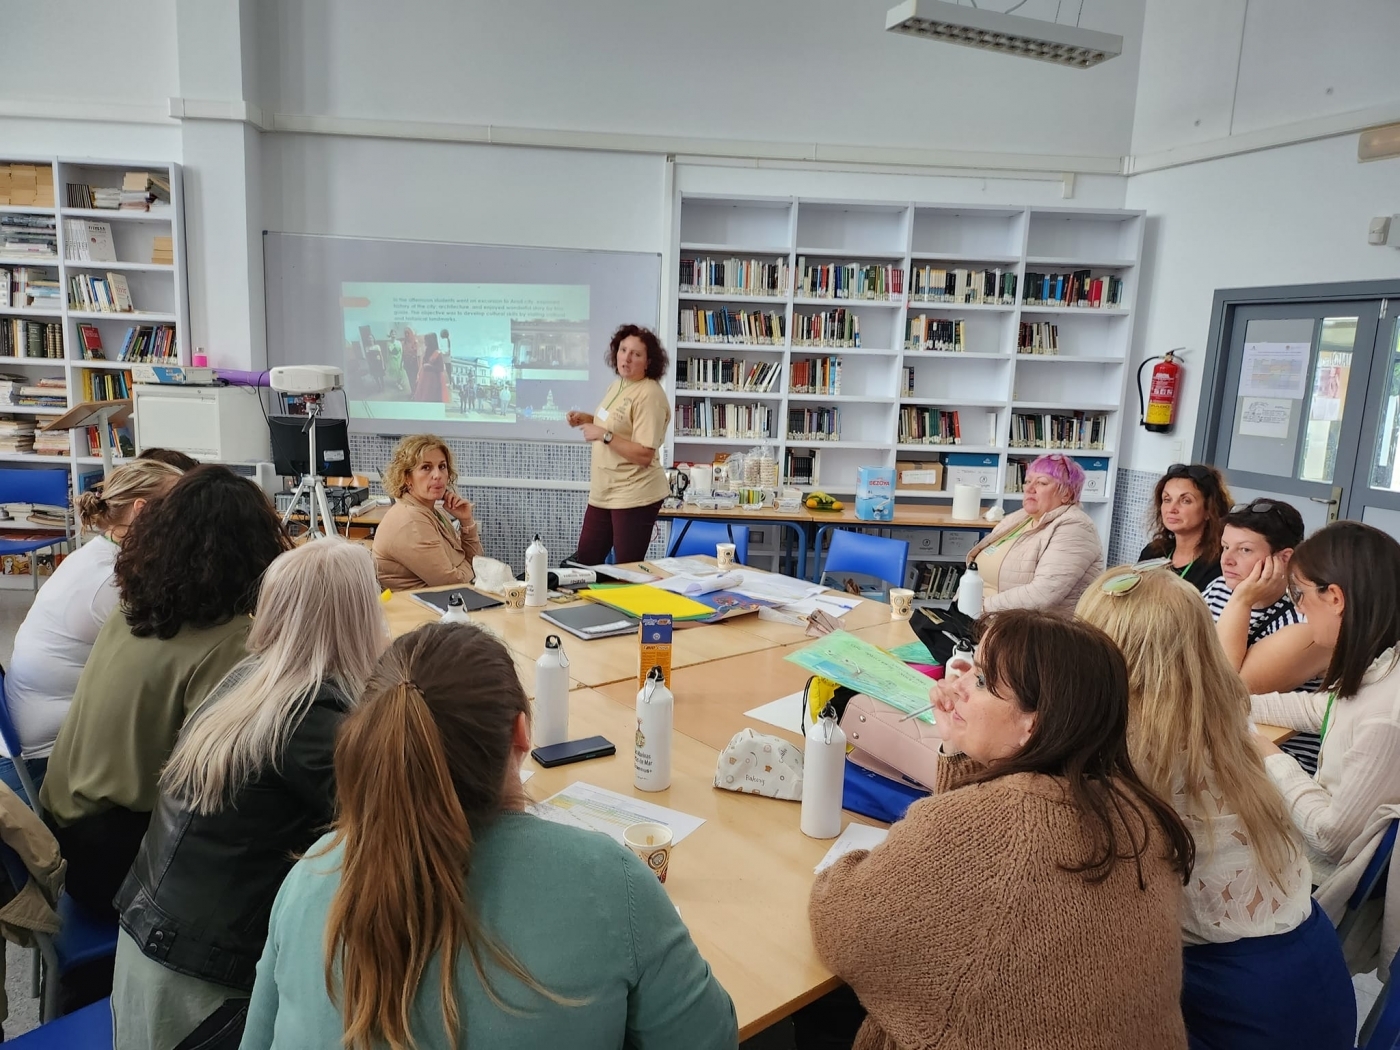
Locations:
column 188, row 574
column 627, row 483
column 418, row 545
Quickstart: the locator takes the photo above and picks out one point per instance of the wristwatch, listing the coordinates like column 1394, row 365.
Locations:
column 607, row 437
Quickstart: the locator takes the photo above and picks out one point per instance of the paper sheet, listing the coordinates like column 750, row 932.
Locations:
column 582, row 805
column 526, row 774
column 833, row 603
column 786, row 712
column 688, row 566
column 1275, row 370
column 857, row 664
column 856, row 836
column 685, row 583
column 625, row 575
column 1264, row 417
column 776, row 587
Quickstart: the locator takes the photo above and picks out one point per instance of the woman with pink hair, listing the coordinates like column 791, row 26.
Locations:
column 1044, row 555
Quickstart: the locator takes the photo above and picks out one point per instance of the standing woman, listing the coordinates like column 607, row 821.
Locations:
column 432, row 374
column 1188, row 519
column 53, row 643
column 627, row 484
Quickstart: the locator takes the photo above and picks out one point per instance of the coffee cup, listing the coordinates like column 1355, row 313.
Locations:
column 724, row 556
column 901, row 603
column 651, row 842
column 514, row 594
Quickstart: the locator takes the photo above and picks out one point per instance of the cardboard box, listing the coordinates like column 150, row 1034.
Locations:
column 965, row 468
column 918, row 474
column 654, row 637
column 925, row 542
column 958, row 542
column 1095, row 477
column 875, row 493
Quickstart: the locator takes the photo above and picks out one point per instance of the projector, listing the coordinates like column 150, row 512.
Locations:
column 305, row 379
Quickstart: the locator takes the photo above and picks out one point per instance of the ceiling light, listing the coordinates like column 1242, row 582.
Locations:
column 1010, row 34
column 1379, row 143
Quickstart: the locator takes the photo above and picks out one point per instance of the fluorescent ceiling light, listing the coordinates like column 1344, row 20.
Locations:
column 1379, row 143
column 1010, row 34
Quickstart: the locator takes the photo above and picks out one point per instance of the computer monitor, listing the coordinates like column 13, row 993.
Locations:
column 290, row 447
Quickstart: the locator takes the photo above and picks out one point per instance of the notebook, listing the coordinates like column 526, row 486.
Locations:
column 471, row 600
column 591, row 620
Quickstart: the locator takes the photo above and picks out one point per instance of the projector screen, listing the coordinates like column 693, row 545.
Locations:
column 459, row 339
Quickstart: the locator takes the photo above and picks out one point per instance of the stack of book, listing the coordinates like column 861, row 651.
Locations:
column 1079, row 288
column 815, row 375
column 26, row 185
column 29, row 287
column 108, row 198
column 28, row 236
column 1040, row 337
column 928, row 426
column 931, row 284
column 21, row 338
column 147, row 342
column 48, row 392
column 731, row 326
column 839, row 328
column 1058, row 430
column 733, row 277
column 851, row 281
column 934, row 333
column 88, row 241
column 726, row 373
column 814, row 424
column 142, row 189
column 163, row 251
column 109, row 296
column 17, row 436
column 713, row 420
column 51, row 443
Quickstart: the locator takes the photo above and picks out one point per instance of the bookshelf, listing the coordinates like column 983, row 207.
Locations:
column 857, row 290
column 44, row 289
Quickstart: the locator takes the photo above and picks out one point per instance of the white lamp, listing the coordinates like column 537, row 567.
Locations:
column 1010, row 34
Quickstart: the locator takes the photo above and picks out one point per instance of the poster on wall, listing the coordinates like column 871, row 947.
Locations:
column 1274, row 370
column 1264, row 417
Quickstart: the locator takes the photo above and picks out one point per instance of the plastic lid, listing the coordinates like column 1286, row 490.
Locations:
column 552, row 641
column 455, row 600
column 656, row 674
column 972, row 565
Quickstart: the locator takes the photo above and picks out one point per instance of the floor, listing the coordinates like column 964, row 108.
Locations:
column 24, row 1008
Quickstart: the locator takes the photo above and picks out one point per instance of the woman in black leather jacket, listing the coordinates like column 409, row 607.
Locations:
column 249, row 787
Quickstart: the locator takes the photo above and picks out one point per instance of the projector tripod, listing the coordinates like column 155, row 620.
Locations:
column 312, row 487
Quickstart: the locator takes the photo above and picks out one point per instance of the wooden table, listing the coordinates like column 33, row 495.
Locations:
column 795, row 520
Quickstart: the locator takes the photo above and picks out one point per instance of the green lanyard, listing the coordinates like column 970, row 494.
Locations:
column 621, row 386
column 1184, row 571
column 1013, row 533
column 1326, row 717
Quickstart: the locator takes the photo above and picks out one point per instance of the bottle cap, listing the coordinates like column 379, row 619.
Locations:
column 552, row 642
column 455, row 600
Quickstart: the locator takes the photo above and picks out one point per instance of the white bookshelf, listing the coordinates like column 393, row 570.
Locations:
column 158, row 290
column 986, row 383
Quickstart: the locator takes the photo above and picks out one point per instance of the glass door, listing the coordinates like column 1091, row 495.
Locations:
column 1295, row 401
column 1375, row 488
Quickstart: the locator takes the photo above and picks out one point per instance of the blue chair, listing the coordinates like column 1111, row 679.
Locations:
column 702, row 537
column 867, row 555
column 87, row 1029
column 1370, row 882
column 1381, row 1030
column 10, row 735
column 44, row 487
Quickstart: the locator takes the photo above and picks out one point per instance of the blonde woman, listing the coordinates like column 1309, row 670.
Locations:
column 1263, row 968
column 248, row 788
column 418, row 545
column 53, row 643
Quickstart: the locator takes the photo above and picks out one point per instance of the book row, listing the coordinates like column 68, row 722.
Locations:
column 929, row 426
column 110, row 294
column 717, row 420
column 732, row 326
column 21, row 338
column 937, row 582
column 835, row 328
column 1038, row 337
column 88, row 241
column 932, row 333
column 106, row 386
column 932, row 284
column 814, row 424
column 29, row 287
column 1078, row 288
column 1084, row 430
column 816, row 375
column 28, row 235
column 850, row 281
column 27, row 392
column 726, row 373
column 145, row 342
column 706, row 276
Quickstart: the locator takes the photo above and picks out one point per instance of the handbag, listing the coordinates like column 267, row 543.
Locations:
column 758, row 764
column 908, row 746
column 879, row 797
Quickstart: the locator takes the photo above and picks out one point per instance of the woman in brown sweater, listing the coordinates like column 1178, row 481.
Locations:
column 1035, row 901
column 417, row 545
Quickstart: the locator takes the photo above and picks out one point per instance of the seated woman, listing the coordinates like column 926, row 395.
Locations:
column 1044, row 555
column 1263, row 966
column 1345, row 581
column 417, row 545
column 1189, row 506
column 53, row 642
column 188, row 574
column 249, row 788
column 527, row 933
column 948, row 931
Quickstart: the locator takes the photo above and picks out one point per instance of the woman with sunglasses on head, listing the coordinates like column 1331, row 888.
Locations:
column 1043, row 555
column 1042, row 846
column 1345, row 581
column 1189, row 506
column 1263, row 967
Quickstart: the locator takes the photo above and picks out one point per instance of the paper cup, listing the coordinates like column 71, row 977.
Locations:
column 514, row 594
column 724, row 555
column 901, row 603
column 651, row 842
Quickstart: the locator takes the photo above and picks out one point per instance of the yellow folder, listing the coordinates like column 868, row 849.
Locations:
column 642, row 598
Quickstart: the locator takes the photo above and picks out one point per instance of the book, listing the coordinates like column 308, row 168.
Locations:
column 120, row 293
column 4, row 287
column 92, row 342
column 163, row 250
column 471, row 600
column 590, row 620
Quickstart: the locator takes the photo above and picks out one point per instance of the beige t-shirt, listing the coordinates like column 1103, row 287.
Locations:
column 638, row 412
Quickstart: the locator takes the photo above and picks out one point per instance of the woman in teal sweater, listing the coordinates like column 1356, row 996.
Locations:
column 553, row 936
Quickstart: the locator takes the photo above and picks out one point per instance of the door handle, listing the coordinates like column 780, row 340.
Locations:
column 1327, row 502
column 1332, row 504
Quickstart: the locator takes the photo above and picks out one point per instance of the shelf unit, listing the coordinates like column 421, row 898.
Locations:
column 159, row 291
column 985, row 384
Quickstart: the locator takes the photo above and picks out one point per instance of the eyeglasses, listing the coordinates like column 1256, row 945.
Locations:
column 1295, row 592
column 1121, row 584
column 1194, row 471
column 1258, row 506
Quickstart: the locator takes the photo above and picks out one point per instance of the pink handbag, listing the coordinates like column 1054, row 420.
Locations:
column 908, row 748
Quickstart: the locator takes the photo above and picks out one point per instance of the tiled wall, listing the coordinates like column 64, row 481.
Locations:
column 1132, row 507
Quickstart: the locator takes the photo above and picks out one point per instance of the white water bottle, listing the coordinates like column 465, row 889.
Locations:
column 551, row 694
column 456, row 610
column 536, row 573
column 970, row 590
column 823, row 777
column 651, row 755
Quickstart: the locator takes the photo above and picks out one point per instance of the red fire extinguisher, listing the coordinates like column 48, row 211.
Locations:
column 1159, row 412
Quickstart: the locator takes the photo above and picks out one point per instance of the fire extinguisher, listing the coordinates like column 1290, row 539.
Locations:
column 1159, row 411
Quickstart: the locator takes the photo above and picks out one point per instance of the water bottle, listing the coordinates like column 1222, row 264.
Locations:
column 959, row 663
column 551, row 694
column 823, row 777
column 536, row 573
column 456, row 610
column 970, row 589
column 651, row 755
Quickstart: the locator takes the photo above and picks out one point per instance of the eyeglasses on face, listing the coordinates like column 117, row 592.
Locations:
column 1296, row 590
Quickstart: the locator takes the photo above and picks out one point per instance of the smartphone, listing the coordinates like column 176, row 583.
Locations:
column 573, row 751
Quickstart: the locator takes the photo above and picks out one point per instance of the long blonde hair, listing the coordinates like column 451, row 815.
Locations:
column 396, row 477
column 1188, row 709
column 318, row 621
column 109, row 501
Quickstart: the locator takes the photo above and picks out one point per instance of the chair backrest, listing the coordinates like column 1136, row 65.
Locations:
column 1375, row 868
column 1381, row 1029
column 702, row 537
column 8, row 733
column 49, row 487
column 877, row 556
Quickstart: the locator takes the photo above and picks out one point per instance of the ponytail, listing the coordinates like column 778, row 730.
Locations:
column 407, row 839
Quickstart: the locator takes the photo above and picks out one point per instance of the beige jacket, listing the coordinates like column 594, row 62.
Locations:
column 1375, row 938
column 1049, row 565
column 33, row 905
column 416, row 546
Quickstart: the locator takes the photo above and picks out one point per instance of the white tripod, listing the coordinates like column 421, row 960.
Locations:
column 311, row 487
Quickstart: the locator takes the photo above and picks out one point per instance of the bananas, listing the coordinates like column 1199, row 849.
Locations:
column 821, row 501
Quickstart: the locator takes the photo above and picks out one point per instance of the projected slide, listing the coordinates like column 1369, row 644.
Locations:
column 474, row 353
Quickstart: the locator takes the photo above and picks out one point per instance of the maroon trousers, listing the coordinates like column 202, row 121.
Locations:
column 625, row 531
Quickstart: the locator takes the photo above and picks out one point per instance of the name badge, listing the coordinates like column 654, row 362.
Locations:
column 601, row 416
